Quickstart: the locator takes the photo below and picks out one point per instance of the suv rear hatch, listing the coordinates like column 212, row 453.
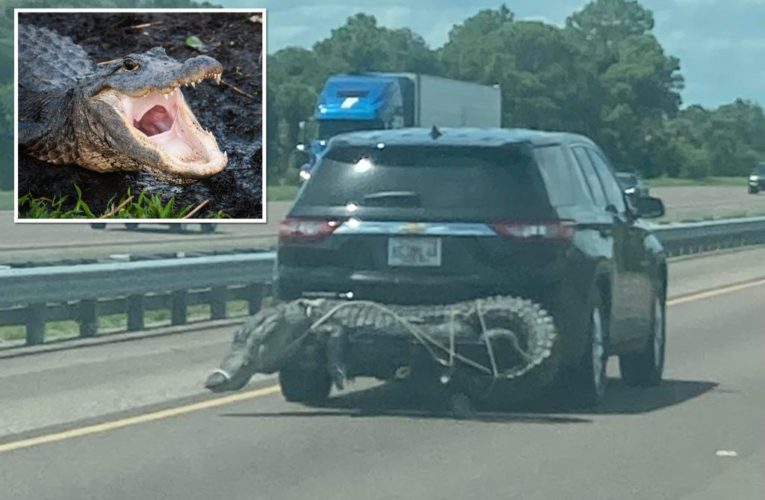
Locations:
column 422, row 224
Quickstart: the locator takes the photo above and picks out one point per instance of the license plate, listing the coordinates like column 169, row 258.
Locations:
column 414, row 252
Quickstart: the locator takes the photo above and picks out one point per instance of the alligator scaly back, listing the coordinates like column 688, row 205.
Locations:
column 49, row 61
column 522, row 333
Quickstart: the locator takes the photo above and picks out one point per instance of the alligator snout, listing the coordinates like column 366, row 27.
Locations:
column 218, row 381
column 202, row 65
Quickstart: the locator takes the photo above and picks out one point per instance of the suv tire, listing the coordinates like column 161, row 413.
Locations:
column 301, row 385
column 646, row 367
column 753, row 190
column 587, row 381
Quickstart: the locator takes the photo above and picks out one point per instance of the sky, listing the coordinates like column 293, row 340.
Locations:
column 720, row 43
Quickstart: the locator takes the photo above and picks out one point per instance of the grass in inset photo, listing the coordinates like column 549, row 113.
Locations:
column 143, row 206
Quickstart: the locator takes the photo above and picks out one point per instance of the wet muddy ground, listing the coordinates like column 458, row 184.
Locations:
column 231, row 111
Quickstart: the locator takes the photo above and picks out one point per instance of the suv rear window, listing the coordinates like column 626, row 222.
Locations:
column 565, row 184
column 437, row 180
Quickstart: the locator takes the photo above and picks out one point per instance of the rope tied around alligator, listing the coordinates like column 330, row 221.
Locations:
column 429, row 342
column 502, row 324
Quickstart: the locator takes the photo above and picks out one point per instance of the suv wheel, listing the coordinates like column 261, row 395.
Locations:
column 645, row 368
column 588, row 380
column 301, row 385
column 753, row 190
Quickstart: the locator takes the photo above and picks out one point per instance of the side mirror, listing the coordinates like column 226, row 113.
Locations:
column 649, row 208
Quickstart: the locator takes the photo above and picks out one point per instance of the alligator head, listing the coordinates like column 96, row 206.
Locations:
column 137, row 105
column 261, row 345
column 122, row 115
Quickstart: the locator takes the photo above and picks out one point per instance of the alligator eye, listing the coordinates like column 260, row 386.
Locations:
column 130, row 64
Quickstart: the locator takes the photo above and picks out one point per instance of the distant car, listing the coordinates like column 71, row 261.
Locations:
column 633, row 185
column 409, row 217
column 757, row 179
column 173, row 228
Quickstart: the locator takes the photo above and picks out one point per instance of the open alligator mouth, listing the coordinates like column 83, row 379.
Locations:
column 160, row 119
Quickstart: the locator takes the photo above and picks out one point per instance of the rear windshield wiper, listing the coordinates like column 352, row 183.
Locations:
column 393, row 198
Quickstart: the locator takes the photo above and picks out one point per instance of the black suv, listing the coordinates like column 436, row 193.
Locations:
column 420, row 216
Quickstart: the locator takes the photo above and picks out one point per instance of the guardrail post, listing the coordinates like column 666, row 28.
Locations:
column 88, row 318
column 36, row 324
column 218, row 296
column 254, row 297
column 135, row 313
column 179, row 306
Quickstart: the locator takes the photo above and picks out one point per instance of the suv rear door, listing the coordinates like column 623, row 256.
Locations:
column 434, row 222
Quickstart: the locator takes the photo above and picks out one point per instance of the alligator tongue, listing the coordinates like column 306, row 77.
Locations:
column 155, row 121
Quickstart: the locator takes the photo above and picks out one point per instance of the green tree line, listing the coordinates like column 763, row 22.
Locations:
column 603, row 74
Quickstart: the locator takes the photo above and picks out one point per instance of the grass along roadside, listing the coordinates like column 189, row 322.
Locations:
column 709, row 181
column 284, row 192
column 6, row 200
column 116, row 323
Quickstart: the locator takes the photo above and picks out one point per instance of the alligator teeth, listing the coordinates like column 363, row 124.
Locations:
column 165, row 96
column 193, row 84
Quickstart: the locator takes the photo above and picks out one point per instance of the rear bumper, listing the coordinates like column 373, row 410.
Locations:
column 294, row 283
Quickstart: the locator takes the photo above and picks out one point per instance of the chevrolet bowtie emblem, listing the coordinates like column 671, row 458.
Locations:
column 414, row 228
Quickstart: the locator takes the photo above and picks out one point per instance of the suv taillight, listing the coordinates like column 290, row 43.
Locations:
column 560, row 230
column 305, row 230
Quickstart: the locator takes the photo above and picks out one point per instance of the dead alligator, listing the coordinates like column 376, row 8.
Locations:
column 522, row 335
column 123, row 115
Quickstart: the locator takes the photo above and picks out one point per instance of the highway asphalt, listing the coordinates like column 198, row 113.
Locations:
column 128, row 421
column 698, row 202
column 56, row 242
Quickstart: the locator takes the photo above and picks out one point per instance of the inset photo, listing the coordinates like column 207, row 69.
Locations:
column 153, row 116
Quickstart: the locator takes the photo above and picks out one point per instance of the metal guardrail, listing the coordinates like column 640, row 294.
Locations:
column 33, row 296
column 699, row 237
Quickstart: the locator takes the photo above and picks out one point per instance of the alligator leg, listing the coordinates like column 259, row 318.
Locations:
column 336, row 341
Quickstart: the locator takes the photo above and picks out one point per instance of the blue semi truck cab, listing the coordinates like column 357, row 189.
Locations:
column 376, row 101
